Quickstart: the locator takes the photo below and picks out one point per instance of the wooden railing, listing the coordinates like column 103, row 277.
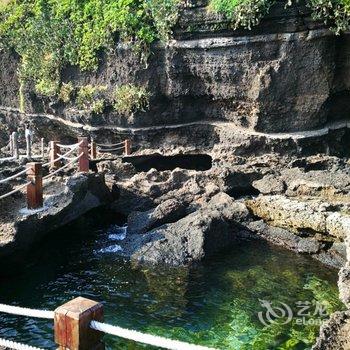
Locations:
column 34, row 170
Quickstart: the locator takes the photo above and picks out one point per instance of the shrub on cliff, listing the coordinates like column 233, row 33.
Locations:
column 130, row 98
column 248, row 13
column 92, row 98
column 242, row 13
column 51, row 34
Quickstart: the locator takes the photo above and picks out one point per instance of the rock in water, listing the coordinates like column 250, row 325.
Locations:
column 201, row 234
column 167, row 212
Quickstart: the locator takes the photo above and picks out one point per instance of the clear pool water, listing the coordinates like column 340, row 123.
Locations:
column 216, row 303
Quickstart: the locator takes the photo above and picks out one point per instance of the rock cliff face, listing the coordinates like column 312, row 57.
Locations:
column 287, row 74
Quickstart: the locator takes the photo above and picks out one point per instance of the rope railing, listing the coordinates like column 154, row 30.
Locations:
column 23, row 311
column 60, row 157
column 111, row 144
column 148, row 339
column 17, row 189
column 15, row 143
column 110, row 149
column 16, row 346
column 13, row 177
column 69, row 146
column 74, row 160
column 34, row 170
column 84, row 311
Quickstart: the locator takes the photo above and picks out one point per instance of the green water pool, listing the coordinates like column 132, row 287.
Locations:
column 217, row 303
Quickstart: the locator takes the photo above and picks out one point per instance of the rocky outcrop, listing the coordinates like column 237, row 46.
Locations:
column 212, row 228
column 64, row 201
column 167, row 212
column 301, row 216
column 306, row 224
column 334, row 333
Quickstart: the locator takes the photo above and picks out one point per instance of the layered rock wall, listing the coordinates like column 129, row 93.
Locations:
column 287, row 74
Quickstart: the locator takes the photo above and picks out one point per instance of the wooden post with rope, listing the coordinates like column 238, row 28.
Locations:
column 84, row 152
column 54, row 151
column 28, row 137
column 11, row 145
column 93, row 150
column 42, row 146
column 72, row 325
column 35, row 188
column 15, row 145
column 127, row 150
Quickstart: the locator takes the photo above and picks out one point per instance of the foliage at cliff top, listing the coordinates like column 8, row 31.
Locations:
column 50, row 34
column 247, row 13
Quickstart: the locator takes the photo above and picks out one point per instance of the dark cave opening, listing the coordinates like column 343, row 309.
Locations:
column 200, row 162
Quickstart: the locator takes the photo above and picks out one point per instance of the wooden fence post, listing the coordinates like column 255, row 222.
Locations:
column 35, row 188
column 72, row 325
column 84, row 150
column 11, row 146
column 15, row 145
column 127, row 147
column 93, row 150
column 54, row 151
column 28, row 136
column 42, row 145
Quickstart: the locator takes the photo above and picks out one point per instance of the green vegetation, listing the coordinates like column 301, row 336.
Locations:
column 92, row 98
column 130, row 98
column 51, row 34
column 242, row 13
column 66, row 92
column 248, row 13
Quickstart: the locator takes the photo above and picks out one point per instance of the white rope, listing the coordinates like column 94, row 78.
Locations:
column 60, row 157
column 63, row 167
column 110, row 145
column 23, row 311
column 13, row 176
column 110, row 149
column 70, row 146
column 8, row 158
column 65, row 158
column 14, row 191
column 145, row 338
column 16, row 346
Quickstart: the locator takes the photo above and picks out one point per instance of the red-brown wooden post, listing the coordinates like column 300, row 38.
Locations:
column 35, row 188
column 127, row 147
column 72, row 325
column 84, row 150
column 54, row 154
column 93, row 150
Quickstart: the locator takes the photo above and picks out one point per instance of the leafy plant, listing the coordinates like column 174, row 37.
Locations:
column 89, row 95
column 66, row 92
column 242, row 13
column 98, row 106
column 335, row 13
column 165, row 15
column 248, row 13
column 130, row 98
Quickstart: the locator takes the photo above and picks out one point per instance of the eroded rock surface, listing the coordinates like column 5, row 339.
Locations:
column 213, row 227
column 64, row 201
